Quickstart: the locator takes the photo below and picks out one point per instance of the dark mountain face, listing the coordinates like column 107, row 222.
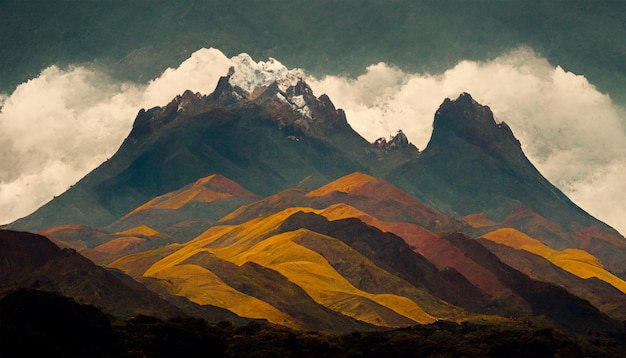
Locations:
column 261, row 143
column 474, row 165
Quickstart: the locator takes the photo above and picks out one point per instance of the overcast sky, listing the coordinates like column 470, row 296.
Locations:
column 61, row 124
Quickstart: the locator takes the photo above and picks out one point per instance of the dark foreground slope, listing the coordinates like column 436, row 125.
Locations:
column 29, row 261
column 37, row 323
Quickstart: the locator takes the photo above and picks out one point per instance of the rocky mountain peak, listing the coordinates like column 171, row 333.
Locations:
column 225, row 92
column 398, row 141
column 466, row 119
column 394, row 143
column 156, row 117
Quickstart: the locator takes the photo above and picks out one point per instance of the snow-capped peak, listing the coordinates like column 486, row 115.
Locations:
column 250, row 75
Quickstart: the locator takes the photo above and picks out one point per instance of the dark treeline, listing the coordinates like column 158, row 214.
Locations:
column 37, row 324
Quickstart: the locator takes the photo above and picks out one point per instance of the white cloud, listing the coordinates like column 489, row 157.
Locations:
column 59, row 126
column 54, row 129
column 199, row 73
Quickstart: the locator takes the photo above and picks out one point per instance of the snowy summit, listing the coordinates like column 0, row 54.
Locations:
column 250, row 75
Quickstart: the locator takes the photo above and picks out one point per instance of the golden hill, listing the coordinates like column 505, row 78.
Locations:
column 256, row 241
column 576, row 261
column 205, row 190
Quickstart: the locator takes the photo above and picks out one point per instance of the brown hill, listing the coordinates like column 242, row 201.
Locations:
column 384, row 201
column 105, row 247
column 32, row 261
column 186, row 212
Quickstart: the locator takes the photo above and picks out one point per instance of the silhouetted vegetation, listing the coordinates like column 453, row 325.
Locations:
column 37, row 323
column 44, row 324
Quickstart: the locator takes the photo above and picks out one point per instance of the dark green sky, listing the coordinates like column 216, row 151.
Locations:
column 137, row 40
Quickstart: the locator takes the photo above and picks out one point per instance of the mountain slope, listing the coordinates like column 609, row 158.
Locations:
column 186, row 212
column 544, row 299
column 262, row 143
column 602, row 295
column 32, row 261
column 474, row 165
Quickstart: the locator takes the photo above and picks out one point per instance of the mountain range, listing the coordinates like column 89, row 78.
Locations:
column 264, row 203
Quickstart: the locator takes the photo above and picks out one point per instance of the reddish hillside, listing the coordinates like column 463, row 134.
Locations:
column 204, row 190
column 382, row 200
column 188, row 211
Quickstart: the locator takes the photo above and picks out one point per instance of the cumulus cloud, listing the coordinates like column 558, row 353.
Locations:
column 199, row 73
column 59, row 126
column 54, row 129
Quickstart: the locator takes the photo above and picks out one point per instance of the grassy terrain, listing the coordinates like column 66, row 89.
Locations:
column 576, row 261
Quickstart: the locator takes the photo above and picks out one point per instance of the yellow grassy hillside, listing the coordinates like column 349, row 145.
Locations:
column 205, row 288
column 576, row 261
column 311, row 271
column 142, row 230
column 347, row 184
column 249, row 242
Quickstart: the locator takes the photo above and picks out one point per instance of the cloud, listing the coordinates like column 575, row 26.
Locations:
column 57, row 127
column 574, row 134
column 54, row 129
column 199, row 73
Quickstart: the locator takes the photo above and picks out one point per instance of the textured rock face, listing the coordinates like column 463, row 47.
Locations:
column 395, row 142
column 468, row 120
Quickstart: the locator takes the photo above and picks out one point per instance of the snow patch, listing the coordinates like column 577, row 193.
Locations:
column 299, row 105
column 250, row 75
column 298, row 101
column 282, row 98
